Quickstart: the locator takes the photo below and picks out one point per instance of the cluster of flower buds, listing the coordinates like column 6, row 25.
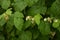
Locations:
column 30, row 18
column 48, row 19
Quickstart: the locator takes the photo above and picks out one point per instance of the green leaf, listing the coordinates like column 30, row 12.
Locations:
column 2, row 37
column 43, row 37
column 18, row 20
column 10, row 23
column 56, row 24
column 5, row 4
column 37, row 18
column 35, row 34
column 58, row 28
column 26, row 35
column 2, row 21
column 12, row 35
column 31, row 2
column 12, row 38
column 19, row 5
column 19, row 14
column 27, row 24
column 54, row 10
column 8, row 12
column 0, row 2
column 44, row 28
column 38, row 8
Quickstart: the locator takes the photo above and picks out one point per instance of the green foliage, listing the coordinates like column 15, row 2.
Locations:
column 18, row 20
column 29, row 19
column 37, row 18
column 26, row 36
column 5, row 4
column 31, row 2
column 44, row 28
column 19, row 5
column 56, row 24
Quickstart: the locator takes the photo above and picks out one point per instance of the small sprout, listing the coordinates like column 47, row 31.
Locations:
column 45, row 19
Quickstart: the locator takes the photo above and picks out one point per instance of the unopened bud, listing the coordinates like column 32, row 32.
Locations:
column 28, row 18
column 49, row 19
column 45, row 19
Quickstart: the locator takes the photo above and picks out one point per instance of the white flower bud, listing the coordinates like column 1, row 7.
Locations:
column 49, row 19
column 45, row 19
column 28, row 18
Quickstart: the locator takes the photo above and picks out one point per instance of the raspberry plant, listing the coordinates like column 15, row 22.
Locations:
column 29, row 19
